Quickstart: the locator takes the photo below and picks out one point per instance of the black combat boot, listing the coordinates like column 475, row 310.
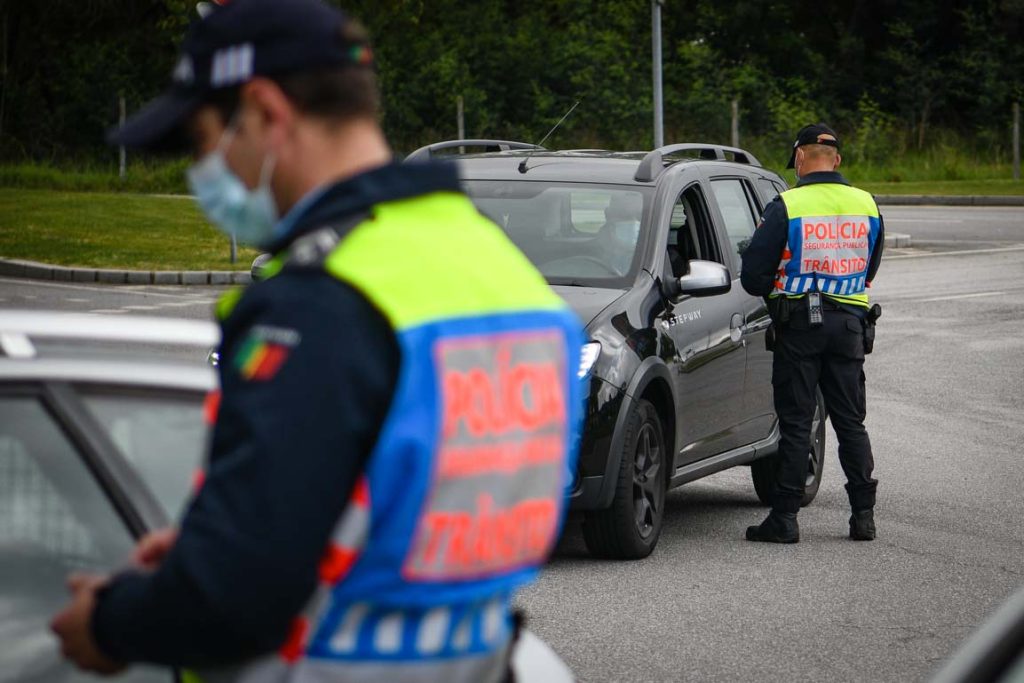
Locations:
column 862, row 525
column 778, row 527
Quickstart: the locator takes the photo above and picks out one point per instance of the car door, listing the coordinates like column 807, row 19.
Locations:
column 56, row 517
column 708, row 362
column 740, row 208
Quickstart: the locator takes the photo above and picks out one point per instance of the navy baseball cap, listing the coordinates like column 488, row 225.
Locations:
column 232, row 42
column 814, row 134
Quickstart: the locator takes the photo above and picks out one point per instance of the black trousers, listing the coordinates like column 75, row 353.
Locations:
column 830, row 356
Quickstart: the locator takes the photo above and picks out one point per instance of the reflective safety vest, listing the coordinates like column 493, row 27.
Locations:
column 832, row 233
column 464, row 493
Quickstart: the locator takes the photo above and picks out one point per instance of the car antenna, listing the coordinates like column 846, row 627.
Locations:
column 522, row 164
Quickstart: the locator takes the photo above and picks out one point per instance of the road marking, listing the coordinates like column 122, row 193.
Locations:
column 197, row 302
column 957, row 297
column 142, row 308
column 82, row 288
column 108, row 311
column 923, row 220
column 965, row 252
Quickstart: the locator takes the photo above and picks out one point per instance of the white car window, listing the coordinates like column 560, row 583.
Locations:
column 163, row 437
column 54, row 519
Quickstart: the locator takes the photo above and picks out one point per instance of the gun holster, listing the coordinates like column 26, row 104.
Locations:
column 778, row 310
column 869, row 319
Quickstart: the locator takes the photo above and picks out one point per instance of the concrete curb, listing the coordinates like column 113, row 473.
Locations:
column 897, row 240
column 33, row 270
column 948, row 200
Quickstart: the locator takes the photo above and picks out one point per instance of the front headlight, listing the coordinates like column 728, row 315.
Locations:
column 588, row 356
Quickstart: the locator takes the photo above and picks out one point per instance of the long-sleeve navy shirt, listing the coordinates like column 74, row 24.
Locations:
column 762, row 256
column 289, row 444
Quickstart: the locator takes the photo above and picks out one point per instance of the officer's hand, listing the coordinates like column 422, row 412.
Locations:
column 72, row 626
column 153, row 547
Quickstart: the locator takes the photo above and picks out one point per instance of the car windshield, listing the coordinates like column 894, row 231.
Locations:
column 163, row 436
column 575, row 233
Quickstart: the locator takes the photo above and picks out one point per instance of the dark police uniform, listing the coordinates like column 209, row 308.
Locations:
column 821, row 236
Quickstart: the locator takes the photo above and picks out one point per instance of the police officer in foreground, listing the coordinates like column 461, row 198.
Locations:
column 398, row 398
column 813, row 255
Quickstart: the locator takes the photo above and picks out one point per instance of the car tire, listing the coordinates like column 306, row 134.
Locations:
column 765, row 470
column 630, row 527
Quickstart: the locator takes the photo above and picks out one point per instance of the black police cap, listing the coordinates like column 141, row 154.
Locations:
column 814, row 134
column 233, row 42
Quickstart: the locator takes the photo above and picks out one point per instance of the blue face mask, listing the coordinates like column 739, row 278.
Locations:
column 248, row 215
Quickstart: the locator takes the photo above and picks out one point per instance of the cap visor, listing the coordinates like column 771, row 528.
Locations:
column 158, row 125
column 792, row 159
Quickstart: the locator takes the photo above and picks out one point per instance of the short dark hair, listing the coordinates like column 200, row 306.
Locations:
column 336, row 94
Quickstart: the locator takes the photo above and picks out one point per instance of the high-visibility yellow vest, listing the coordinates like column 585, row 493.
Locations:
column 463, row 494
column 833, row 231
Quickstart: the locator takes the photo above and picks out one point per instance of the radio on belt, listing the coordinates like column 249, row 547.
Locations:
column 814, row 316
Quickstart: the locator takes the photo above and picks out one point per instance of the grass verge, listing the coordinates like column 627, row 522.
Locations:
column 135, row 232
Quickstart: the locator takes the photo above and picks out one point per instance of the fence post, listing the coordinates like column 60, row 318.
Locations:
column 460, row 121
column 3, row 75
column 735, row 122
column 1016, row 140
column 120, row 149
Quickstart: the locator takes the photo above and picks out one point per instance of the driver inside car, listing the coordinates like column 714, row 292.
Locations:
column 618, row 237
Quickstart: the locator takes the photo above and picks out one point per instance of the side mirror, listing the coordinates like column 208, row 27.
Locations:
column 257, row 267
column 705, row 278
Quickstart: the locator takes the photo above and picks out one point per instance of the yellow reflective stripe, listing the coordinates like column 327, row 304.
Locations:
column 826, row 199
column 392, row 259
column 852, row 299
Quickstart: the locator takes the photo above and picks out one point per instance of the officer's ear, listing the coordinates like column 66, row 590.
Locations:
column 839, row 160
column 275, row 114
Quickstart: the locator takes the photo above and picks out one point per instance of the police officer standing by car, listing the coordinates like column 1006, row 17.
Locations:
column 813, row 255
column 396, row 426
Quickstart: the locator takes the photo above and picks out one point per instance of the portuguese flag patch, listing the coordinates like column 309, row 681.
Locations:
column 259, row 359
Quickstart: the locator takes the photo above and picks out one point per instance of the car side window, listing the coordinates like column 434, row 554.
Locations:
column 734, row 202
column 163, row 436
column 691, row 233
column 767, row 190
column 54, row 520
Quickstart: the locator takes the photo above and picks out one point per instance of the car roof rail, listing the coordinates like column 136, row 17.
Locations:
column 654, row 163
column 19, row 328
column 499, row 145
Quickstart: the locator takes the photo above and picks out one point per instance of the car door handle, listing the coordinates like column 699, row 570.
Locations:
column 736, row 329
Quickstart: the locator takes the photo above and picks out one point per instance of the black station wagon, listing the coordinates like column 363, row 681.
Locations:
column 645, row 246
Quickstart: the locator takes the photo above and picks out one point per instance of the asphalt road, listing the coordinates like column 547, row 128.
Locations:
column 939, row 226
column 946, row 402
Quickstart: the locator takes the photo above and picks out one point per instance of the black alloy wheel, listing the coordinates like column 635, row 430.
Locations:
column 648, row 493
column 629, row 529
column 765, row 470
